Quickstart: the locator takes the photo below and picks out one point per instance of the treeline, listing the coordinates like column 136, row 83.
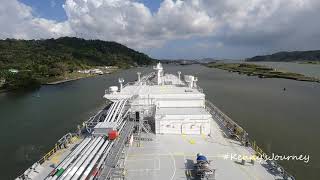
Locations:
column 289, row 56
column 38, row 60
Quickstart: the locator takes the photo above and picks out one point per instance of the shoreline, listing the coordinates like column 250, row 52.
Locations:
column 261, row 71
column 82, row 76
column 66, row 80
column 60, row 81
column 3, row 91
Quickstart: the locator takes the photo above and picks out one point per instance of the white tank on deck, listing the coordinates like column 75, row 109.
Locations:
column 189, row 79
column 113, row 89
column 159, row 70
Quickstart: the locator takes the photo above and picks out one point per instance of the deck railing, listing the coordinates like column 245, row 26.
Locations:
column 143, row 79
column 227, row 122
column 243, row 137
column 199, row 89
column 61, row 143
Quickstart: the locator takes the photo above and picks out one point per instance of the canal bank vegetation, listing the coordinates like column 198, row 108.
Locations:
column 294, row 56
column 30, row 63
column 260, row 71
column 309, row 62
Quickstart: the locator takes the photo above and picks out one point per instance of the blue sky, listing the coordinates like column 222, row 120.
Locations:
column 188, row 29
column 52, row 9
column 49, row 9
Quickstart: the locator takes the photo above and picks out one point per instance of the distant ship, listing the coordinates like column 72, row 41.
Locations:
column 158, row 127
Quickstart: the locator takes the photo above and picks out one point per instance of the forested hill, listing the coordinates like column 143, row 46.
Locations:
column 289, row 56
column 74, row 53
column 50, row 60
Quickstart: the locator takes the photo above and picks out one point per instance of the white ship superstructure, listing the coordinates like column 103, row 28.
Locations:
column 153, row 129
column 177, row 108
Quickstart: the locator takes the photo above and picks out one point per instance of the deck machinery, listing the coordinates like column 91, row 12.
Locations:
column 152, row 129
column 202, row 168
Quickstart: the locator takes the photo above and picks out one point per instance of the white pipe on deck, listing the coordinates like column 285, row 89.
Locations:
column 73, row 155
column 105, row 154
column 102, row 159
column 109, row 111
column 81, row 154
column 112, row 112
column 75, row 152
column 120, row 112
column 94, row 161
column 116, row 111
column 120, row 119
column 83, row 157
column 87, row 160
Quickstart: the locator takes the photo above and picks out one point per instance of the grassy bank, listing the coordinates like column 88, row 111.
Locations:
column 71, row 77
column 67, row 77
column 260, row 71
column 23, row 80
column 309, row 62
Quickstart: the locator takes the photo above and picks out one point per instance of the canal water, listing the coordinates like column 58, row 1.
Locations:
column 311, row 70
column 282, row 122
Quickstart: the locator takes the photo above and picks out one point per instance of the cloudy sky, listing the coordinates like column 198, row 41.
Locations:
column 171, row 28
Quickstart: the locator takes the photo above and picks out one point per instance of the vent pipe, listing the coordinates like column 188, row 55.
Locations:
column 159, row 69
column 179, row 76
column 121, row 80
column 139, row 76
column 195, row 80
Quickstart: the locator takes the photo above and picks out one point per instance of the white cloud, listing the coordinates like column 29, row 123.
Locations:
column 17, row 21
column 118, row 20
column 132, row 23
column 248, row 23
column 183, row 19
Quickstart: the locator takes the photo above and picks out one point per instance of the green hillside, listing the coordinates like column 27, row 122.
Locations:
column 40, row 61
column 295, row 56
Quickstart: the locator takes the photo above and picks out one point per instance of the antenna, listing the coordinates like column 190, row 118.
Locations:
column 159, row 69
column 139, row 76
column 121, row 80
column 179, row 76
column 195, row 82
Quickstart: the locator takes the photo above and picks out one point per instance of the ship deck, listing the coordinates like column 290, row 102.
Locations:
column 167, row 156
column 171, row 156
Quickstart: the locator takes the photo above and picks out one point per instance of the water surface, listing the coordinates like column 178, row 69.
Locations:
column 311, row 70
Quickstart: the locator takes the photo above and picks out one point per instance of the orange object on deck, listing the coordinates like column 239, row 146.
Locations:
column 112, row 135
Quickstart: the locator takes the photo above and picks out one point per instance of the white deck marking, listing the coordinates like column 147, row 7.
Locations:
column 174, row 166
column 147, row 169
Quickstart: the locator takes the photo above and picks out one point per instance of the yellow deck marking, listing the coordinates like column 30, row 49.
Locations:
column 204, row 136
column 163, row 89
column 74, row 139
column 56, row 156
column 178, row 154
column 189, row 140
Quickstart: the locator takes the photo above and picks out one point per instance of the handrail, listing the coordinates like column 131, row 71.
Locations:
column 228, row 123
column 199, row 89
column 275, row 165
column 67, row 138
column 143, row 79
